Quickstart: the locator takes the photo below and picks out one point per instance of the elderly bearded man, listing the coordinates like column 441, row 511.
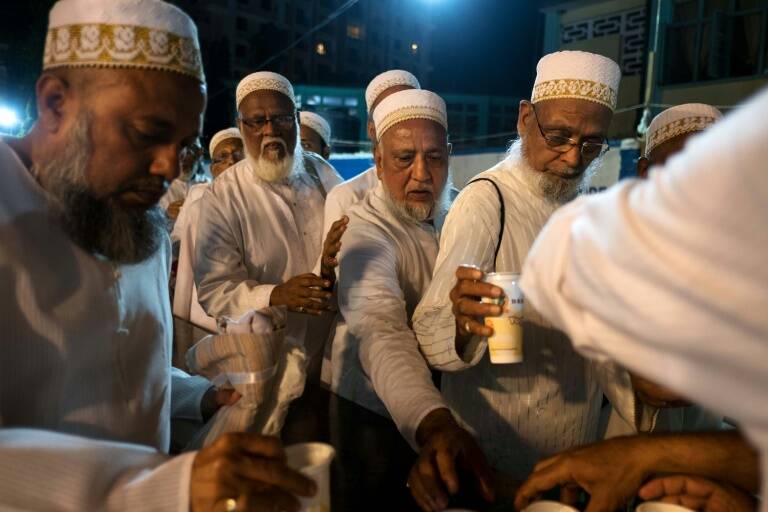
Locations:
column 261, row 222
column 385, row 266
column 550, row 401
column 84, row 258
column 315, row 134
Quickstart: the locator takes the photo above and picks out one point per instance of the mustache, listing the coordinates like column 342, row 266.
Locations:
column 155, row 185
column 273, row 140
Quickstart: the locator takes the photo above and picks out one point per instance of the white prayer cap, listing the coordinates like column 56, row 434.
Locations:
column 228, row 133
column 386, row 80
column 689, row 117
column 409, row 104
column 575, row 74
column 264, row 81
column 144, row 34
column 317, row 123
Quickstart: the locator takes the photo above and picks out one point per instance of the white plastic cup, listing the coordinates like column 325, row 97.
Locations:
column 658, row 506
column 506, row 344
column 314, row 461
column 548, row 506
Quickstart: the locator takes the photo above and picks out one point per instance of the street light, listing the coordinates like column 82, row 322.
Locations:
column 8, row 118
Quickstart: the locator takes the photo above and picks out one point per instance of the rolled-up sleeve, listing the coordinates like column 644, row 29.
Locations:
column 372, row 303
column 468, row 238
column 223, row 285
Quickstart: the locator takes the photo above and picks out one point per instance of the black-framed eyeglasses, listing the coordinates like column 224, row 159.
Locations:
column 589, row 150
column 279, row 121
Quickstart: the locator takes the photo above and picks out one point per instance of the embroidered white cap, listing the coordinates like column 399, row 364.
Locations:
column 680, row 119
column 221, row 136
column 410, row 104
column 576, row 74
column 388, row 79
column 264, row 81
column 318, row 124
column 143, row 34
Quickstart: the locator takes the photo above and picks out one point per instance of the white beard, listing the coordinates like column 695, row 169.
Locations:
column 273, row 172
column 407, row 211
column 551, row 187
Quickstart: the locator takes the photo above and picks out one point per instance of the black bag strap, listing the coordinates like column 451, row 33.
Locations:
column 502, row 214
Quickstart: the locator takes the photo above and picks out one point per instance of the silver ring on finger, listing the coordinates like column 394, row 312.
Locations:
column 300, row 309
column 466, row 327
column 230, row 505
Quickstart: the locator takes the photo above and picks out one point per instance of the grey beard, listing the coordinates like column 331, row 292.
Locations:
column 273, row 172
column 549, row 186
column 407, row 211
column 98, row 225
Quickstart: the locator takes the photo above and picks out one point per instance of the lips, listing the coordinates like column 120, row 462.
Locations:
column 420, row 194
column 143, row 197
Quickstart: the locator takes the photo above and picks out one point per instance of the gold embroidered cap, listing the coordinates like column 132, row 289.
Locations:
column 221, row 136
column 410, row 104
column 386, row 80
column 686, row 118
column 318, row 124
column 576, row 74
column 143, row 34
column 264, row 81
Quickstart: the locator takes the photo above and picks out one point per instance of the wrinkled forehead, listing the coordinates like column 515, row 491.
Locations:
column 228, row 145
column 416, row 133
column 265, row 101
column 575, row 113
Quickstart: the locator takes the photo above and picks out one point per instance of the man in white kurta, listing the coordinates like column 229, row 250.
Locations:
column 260, row 229
column 551, row 400
column 684, row 254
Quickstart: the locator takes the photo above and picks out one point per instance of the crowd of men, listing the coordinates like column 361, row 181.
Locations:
column 652, row 295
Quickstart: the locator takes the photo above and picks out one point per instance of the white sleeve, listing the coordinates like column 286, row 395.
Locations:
column 468, row 237
column 42, row 471
column 223, row 285
column 668, row 277
column 373, row 305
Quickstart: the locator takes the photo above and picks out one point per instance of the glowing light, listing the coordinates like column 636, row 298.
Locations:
column 8, row 118
column 320, row 49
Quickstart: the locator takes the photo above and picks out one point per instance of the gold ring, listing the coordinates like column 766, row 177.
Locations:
column 230, row 505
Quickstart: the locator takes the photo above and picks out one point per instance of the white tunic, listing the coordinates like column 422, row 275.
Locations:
column 385, row 267
column 547, row 403
column 668, row 276
column 86, row 349
column 344, row 195
column 253, row 235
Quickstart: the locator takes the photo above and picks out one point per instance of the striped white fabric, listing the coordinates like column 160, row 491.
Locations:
column 520, row 412
column 385, row 267
column 668, row 276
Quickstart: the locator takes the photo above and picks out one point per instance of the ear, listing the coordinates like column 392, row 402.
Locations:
column 378, row 160
column 326, row 152
column 642, row 167
column 524, row 116
column 54, row 95
column 371, row 129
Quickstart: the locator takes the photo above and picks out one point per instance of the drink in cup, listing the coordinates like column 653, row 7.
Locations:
column 506, row 343
column 314, row 461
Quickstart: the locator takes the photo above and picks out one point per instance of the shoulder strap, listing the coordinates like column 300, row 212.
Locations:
column 502, row 215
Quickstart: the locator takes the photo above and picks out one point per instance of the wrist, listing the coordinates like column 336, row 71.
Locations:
column 435, row 421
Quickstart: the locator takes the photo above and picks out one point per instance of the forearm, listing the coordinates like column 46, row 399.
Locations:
column 723, row 456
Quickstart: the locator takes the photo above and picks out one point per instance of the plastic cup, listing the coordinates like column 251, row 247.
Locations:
column 314, row 461
column 548, row 506
column 657, row 506
column 506, row 344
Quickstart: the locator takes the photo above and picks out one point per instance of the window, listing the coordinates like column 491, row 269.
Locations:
column 714, row 39
column 320, row 49
column 241, row 24
column 414, row 48
column 354, row 31
column 332, row 101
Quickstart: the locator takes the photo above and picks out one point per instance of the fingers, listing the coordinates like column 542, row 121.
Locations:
column 227, row 397
column 423, row 500
column 539, row 482
column 478, row 289
column 337, row 230
column 479, row 467
column 468, row 272
column 687, row 501
column 427, row 483
column 569, row 494
column 446, row 468
column 313, row 293
column 471, row 307
column 310, row 280
column 470, row 325
column 273, row 472
column 676, row 485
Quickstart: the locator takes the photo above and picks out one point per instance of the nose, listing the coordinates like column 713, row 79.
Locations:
column 419, row 171
column 572, row 157
column 167, row 163
column 269, row 127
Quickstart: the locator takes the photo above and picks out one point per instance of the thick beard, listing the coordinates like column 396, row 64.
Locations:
column 407, row 211
column 98, row 225
column 273, row 172
column 551, row 187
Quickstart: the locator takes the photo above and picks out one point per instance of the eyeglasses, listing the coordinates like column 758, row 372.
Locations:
column 561, row 144
column 279, row 121
column 226, row 156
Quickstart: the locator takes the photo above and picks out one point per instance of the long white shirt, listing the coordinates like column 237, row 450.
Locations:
column 86, row 351
column 254, row 235
column 668, row 276
column 385, row 267
column 550, row 401
column 344, row 195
